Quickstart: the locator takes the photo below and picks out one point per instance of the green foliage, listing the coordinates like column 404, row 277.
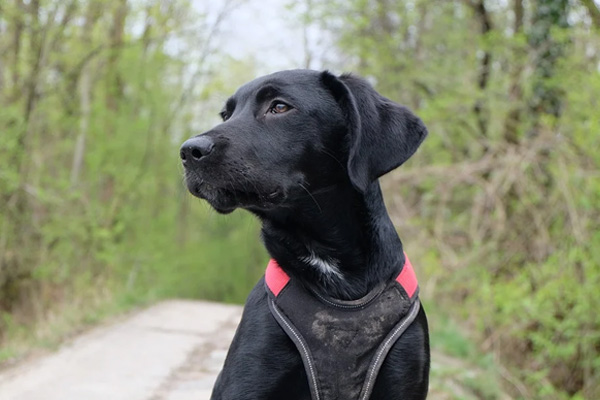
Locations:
column 458, row 367
column 500, row 204
column 504, row 193
column 94, row 216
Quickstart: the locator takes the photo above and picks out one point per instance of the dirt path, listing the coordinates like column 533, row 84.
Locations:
column 171, row 351
column 145, row 357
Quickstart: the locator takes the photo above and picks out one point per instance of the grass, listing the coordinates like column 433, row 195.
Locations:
column 459, row 370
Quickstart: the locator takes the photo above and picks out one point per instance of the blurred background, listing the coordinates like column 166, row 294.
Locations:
column 499, row 210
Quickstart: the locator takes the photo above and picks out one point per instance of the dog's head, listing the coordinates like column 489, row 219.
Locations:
column 294, row 133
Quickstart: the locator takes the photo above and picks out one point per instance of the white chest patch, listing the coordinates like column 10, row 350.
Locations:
column 328, row 268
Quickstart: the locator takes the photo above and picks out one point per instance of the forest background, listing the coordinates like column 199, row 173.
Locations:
column 499, row 209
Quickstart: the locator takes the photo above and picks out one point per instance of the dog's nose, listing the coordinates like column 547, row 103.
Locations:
column 194, row 149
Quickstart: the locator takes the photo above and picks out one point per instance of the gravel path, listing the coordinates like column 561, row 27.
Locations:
column 171, row 351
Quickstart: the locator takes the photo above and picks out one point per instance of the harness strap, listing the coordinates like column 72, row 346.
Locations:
column 301, row 345
column 356, row 334
column 408, row 279
column 277, row 279
column 385, row 348
column 374, row 365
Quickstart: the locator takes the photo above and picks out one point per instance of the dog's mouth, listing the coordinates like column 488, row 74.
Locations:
column 228, row 196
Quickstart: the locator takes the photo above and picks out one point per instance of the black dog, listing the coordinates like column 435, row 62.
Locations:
column 303, row 150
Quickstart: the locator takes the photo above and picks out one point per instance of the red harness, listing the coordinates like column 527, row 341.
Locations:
column 342, row 343
column 276, row 278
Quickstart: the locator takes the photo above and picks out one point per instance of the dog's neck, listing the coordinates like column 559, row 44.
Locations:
column 341, row 241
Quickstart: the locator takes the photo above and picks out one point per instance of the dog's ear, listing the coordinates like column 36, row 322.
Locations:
column 382, row 134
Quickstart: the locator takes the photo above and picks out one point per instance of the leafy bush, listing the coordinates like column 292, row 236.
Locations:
column 504, row 192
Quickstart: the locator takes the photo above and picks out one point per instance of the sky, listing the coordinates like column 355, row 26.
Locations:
column 266, row 30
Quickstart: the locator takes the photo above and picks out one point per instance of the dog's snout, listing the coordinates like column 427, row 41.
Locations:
column 192, row 150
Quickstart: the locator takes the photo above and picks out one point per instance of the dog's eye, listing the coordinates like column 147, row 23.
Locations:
column 224, row 115
column 278, row 108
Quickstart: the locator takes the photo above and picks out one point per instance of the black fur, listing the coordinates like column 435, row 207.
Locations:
column 309, row 172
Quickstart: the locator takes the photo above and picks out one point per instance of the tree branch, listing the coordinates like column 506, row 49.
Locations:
column 594, row 11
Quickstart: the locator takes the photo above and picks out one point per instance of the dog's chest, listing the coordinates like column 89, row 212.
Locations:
column 342, row 344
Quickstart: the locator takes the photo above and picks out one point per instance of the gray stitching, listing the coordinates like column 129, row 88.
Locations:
column 408, row 319
column 368, row 301
column 308, row 360
column 342, row 305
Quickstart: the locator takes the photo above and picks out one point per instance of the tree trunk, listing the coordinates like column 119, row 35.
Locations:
column 480, row 108
column 515, row 94
column 16, row 51
column 84, row 89
column 547, row 99
column 114, row 84
column 594, row 11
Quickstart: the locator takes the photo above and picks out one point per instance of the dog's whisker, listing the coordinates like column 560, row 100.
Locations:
column 325, row 151
column 312, row 197
column 256, row 189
